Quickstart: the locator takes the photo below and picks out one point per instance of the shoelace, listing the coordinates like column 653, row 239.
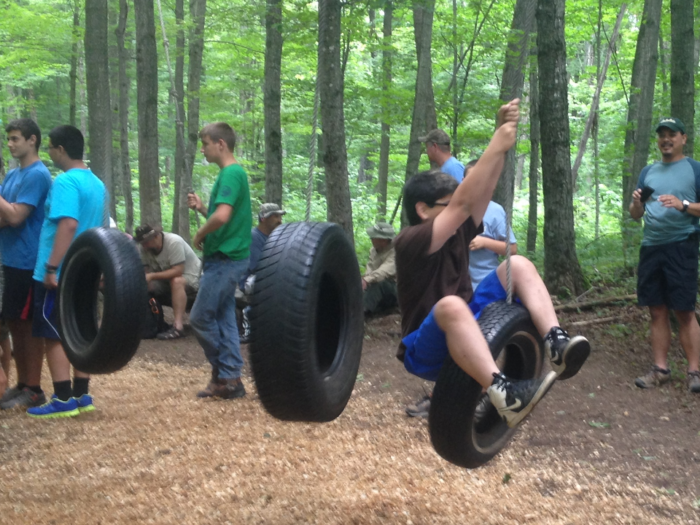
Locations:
column 556, row 334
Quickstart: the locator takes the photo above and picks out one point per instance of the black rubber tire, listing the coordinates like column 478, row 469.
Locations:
column 92, row 346
column 306, row 322
column 507, row 328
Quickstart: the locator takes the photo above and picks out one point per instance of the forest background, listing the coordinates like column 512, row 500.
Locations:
column 338, row 145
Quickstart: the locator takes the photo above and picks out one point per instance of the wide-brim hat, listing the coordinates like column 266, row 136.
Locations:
column 381, row 230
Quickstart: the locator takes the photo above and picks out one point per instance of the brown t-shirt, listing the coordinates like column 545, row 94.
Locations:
column 422, row 279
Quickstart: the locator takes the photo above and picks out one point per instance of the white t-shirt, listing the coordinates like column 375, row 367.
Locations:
column 175, row 251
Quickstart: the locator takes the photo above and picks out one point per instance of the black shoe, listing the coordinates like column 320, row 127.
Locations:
column 566, row 354
column 516, row 399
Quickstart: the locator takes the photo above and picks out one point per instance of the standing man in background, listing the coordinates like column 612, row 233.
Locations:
column 225, row 240
column 437, row 147
column 22, row 199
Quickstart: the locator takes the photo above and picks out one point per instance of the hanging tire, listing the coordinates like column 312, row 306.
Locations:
column 306, row 322
column 101, row 344
column 518, row 350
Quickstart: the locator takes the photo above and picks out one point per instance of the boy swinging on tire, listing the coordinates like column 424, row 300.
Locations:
column 439, row 310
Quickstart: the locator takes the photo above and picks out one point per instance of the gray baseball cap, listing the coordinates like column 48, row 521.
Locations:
column 437, row 136
column 270, row 208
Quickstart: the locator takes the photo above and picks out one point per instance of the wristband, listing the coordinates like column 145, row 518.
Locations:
column 50, row 269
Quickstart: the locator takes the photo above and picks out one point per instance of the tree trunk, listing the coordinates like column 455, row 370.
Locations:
column 382, row 183
column 198, row 10
column 516, row 57
column 424, row 117
column 683, row 68
column 562, row 271
column 99, row 106
column 641, row 101
column 272, row 101
column 331, row 81
column 596, row 118
column 124, row 87
column 534, row 154
column 181, row 222
column 147, row 104
column 596, row 96
column 73, row 76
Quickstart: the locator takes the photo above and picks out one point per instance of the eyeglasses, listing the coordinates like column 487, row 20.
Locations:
column 441, row 203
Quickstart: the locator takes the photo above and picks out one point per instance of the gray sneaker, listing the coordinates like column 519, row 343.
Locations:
column 10, row 393
column 657, row 376
column 694, row 382
column 420, row 409
column 27, row 398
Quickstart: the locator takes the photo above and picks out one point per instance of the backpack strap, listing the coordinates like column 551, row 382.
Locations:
column 696, row 171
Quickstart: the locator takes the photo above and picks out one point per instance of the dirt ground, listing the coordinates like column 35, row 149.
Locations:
column 596, row 450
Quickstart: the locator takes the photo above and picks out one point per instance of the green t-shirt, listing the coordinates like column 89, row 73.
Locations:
column 233, row 238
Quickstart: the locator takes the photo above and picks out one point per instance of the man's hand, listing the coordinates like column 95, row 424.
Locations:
column 149, row 277
column 670, row 201
column 50, row 281
column 194, row 202
column 508, row 113
column 477, row 243
column 504, row 137
column 198, row 240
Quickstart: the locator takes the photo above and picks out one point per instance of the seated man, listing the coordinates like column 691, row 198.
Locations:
column 269, row 217
column 439, row 311
column 379, row 281
column 172, row 272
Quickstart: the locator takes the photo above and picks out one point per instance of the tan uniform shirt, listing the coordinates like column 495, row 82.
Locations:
column 381, row 266
column 175, row 251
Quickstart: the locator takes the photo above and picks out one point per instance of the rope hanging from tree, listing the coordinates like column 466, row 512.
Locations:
column 510, row 193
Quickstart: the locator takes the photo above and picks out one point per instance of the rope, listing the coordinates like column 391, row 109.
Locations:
column 179, row 123
column 312, row 152
column 510, row 191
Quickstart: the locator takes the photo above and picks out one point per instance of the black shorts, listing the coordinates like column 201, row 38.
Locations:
column 17, row 297
column 668, row 275
column 45, row 322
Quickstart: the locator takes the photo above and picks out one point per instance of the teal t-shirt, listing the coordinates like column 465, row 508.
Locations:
column 666, row 225
column 233, row 238
column 76, row 194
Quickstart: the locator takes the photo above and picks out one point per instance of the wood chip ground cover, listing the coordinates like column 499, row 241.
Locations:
column 153, row 453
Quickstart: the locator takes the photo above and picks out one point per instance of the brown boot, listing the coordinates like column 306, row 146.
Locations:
column 211, row 387
column 224, row 388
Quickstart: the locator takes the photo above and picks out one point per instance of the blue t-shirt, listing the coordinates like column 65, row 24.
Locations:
column 483, row 262
column 454, row 168
column 257, row 243
column 666, row 225
column 76, row 194
column 30, row 185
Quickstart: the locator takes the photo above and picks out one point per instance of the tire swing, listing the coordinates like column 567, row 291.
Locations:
column 306, row 322
column 465, row 428
column 101, row 260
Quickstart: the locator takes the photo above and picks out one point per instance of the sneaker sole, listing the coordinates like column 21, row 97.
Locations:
column 85, row 410
column 411, row 413
column 573, row 359
column 541, row 391
column 10, row 405
column 55, row 415
column 641, row 384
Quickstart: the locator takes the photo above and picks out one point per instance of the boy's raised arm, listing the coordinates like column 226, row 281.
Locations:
column 472, row 196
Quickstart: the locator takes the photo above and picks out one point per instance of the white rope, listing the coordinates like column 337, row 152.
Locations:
column 510, row 191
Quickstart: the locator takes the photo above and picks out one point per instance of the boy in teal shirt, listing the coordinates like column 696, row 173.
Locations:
column 225, row 241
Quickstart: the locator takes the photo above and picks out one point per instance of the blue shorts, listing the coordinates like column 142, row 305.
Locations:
column 45, row 320
column 426, row 348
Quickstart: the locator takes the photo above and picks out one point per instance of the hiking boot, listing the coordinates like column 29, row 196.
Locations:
column 657, row 376
column 566, row 354
column 26, row 398
column 224, row 388
column 55, row 408
column 85, row 403
column 419, row 409
column 516, row 399
column 694, row 382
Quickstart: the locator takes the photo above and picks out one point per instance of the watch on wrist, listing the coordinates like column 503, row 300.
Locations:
column 50, row 269
column 686, row 203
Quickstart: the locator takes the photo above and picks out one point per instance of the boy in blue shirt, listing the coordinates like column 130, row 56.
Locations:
column 77, row 202
column 22, row 197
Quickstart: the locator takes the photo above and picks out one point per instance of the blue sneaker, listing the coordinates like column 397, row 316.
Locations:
column 85, row 403
column 55, row 408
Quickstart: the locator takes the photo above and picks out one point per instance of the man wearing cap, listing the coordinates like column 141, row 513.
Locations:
column 379, row 281
column 269, row 217
column 667, row 196
column 437, row 147
column 172, row 272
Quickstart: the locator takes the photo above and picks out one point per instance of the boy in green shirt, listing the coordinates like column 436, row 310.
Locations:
column 225, row 241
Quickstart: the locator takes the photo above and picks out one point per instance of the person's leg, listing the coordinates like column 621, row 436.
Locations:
column 567, row 354
column 689, row 334
column 6, row 357
column 371, row 298
column 230, row 360
column 204, row 310
column 660, row 335
column 62, row 404
column 179, row 299
column 28, row 350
